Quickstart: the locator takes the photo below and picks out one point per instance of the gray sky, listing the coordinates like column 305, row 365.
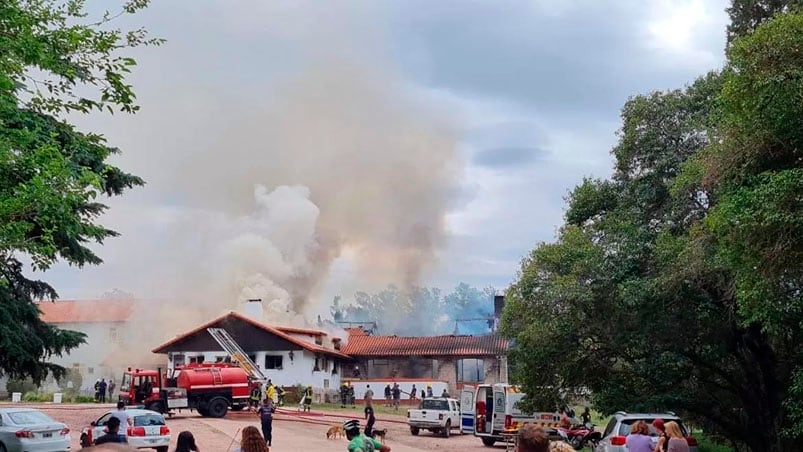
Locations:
column 529, row 92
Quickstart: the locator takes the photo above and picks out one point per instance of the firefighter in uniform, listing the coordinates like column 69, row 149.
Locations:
column 350, row 396
column 256, row 396
column 344, row 391
column 308, row 398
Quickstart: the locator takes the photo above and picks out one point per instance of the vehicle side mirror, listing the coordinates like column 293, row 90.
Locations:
column 92, row 424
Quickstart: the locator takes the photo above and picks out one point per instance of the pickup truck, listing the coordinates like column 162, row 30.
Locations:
column 438, row 415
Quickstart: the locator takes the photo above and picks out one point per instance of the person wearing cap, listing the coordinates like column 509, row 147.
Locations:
column 359, row 442
column 112, row 435
column 266, row 419
column 663, row 440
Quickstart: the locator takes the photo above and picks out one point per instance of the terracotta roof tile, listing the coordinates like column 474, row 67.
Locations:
column 294, row 330
column 356, row 331
column 85, row 311
column 363, row 346
column 270, row 329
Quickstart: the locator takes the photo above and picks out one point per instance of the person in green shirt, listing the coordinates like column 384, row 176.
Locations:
column 358, row 442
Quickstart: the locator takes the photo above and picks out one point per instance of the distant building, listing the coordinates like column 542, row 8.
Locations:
column 106, row 323
column 288, row 356
column 454, row 359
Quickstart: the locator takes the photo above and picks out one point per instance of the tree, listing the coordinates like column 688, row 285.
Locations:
column 747, row 15
column 52, row 175
column 677, row 283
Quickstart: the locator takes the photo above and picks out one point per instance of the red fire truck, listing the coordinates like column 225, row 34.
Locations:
column 210, row 389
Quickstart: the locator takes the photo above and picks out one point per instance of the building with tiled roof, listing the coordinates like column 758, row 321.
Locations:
column 287, row 355
column 456, row 360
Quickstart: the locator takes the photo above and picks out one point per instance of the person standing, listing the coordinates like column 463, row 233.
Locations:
column 186, row 442
column 255, row 396
column 350, row 396
column 266, row 418
column 445, row 393
column 122, row 415
column 271, row 392
column 423, row 394
column 674, row 439
column 429, row 391
column 359, row 442
column 102, row 390
column 586, row 416
column 111, row 389
column 639, row 438
column 369, row 417
column 413, row 393
column 113, row 435
column 343, row 394
column 396, row 395
column 308, row 398
column 663, row 440
column 369, row 395
column 387, row 395
column 97, row 390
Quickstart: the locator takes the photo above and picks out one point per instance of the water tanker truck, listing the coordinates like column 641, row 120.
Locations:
column 210, row 389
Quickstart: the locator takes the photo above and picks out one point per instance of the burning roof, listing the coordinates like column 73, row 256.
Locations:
column 85, row 311
column 362, row 345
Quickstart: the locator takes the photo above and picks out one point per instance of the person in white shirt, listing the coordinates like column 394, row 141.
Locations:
column 125, row 419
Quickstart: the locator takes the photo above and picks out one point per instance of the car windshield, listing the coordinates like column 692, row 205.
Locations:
column 435, row 405
column 29, row 418
column 624, row 428
column 148, row 419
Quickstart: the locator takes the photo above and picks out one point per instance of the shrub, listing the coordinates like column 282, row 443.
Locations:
column 23, row 386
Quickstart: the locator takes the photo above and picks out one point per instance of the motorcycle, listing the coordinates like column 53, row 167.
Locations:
column 579, row 436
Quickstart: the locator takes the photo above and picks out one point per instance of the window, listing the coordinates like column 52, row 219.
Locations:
column 326, row 383
column 470, row 370
column 325, row 363
column 435, row 404
column 197, row 359
column 273, row 361
column 223, row 359
column 114, row 335
column 378, row 368
column 178, row 360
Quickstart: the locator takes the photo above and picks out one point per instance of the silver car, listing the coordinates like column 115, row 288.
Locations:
column 615, row 434
column 30, row 430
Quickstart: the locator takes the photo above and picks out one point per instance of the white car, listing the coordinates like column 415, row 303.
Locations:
column 149, row 430
column 27, row 429
column 438, row 415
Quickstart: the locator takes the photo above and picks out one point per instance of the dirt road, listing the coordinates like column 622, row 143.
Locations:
column 291, row 432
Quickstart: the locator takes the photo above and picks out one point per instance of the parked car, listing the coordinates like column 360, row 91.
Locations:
column 27, row 429
column 615, row 434
column 149, row 430
column 438, row 415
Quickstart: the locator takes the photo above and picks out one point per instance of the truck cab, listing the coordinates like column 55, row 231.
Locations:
column 139, row 386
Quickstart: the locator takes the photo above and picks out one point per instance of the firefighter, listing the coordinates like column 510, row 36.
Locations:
column 256, row 395
column 271, row 391
column 344, row 391
column 308, row 398
column 350, row 395
column 280, row 395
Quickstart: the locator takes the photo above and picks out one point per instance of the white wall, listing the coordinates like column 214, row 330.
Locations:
column 297, row 371
column 90, row 356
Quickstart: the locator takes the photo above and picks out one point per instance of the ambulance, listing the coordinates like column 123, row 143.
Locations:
column 488, row 411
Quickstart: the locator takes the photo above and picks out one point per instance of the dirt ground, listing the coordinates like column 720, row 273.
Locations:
column 291, row 432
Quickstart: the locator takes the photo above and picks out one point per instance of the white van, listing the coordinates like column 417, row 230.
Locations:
column 489, row 410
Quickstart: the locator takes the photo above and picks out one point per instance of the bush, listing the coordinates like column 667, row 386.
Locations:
column 81, row 399
column 23, row 386
column 32, row 396
column 708, row 444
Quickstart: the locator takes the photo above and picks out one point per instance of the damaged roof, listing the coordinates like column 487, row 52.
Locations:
column 85, row 311
column 361, row 345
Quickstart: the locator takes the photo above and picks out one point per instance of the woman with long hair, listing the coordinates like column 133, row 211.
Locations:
column 676, row 442
column 186, row 442
column 252, row 441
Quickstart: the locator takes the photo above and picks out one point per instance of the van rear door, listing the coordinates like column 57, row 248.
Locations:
column 499, row 410
column 467, row 409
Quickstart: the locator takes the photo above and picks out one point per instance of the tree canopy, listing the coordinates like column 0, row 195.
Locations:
column 54, row 60
column 676, row 284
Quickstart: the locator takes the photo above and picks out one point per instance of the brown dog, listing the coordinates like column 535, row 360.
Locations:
column 380, row 433
column 334, row 431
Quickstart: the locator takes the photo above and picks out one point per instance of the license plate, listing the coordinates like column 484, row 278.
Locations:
column 153, row 441
column 47, row 435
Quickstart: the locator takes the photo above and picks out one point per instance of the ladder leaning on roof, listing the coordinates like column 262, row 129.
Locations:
column 236, row 352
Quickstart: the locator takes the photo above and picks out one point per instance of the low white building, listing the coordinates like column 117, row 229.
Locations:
column 286, row 355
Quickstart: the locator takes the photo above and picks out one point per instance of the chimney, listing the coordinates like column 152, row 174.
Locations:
column 499, row 306
column 253, row 308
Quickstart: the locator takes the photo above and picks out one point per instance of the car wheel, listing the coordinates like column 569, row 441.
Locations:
column 447, row 431
column 218, row 407
column 414, row 431
column 3, row 448
column 489, row 442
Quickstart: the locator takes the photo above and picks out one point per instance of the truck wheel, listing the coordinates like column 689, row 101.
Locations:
column 414, row 431
column 203, row 412
column 489, row 442
column 218, row 407
column 447, row 431
column 161, row 449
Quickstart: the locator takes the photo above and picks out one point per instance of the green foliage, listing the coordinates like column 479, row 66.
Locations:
column 678, row 284
column 23, row 386
column 747, row 15
column 55, row 60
